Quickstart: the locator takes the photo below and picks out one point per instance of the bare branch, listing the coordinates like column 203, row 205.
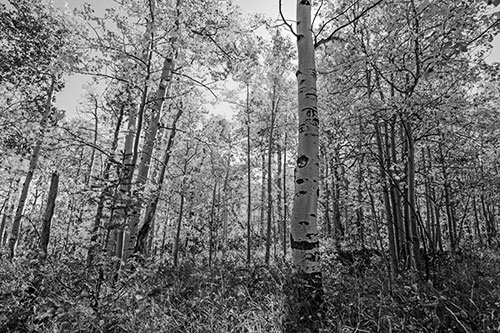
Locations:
column 285, row 21
column 357, row 17
column 317, row 12
column 196, row 81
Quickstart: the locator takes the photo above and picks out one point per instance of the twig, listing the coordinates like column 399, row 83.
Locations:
column 332, row 35
column 285, row 21
column 198, row 82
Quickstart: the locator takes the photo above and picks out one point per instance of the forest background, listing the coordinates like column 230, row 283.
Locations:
column 195, row 183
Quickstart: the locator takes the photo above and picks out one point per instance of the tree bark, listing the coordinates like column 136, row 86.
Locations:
column 153, row 202
column 285, row 198
column 305, row 299
column 262, row 197
column 178, row 232
column 400, row 235
column 211, row 229
column 279, row 192
column 16, row 225
column 274, row 109
column 49, row 212
column 387, row 203
column 147, row 152
column 249, row 180
column 412, row 208
column 104, row 192
column 123, row 200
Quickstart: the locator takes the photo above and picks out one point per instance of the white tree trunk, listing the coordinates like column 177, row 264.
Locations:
column 306, row 296
column 16, row 226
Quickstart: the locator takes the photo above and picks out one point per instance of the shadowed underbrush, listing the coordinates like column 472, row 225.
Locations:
column 64, row 296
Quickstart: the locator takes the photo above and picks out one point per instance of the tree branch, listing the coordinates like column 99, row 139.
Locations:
column 357, row 17
column 285, row 21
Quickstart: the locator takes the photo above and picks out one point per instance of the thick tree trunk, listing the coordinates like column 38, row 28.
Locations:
column 305, row 298
column 153, row 202
column 16, row 225
column 147, row 152
column 47, row 218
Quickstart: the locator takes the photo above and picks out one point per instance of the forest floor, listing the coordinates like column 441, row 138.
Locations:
column 462, row 295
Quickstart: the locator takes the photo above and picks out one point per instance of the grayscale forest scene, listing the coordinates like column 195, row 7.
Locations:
column 249, row 166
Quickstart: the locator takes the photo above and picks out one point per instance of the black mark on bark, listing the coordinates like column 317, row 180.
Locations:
column 302, row 161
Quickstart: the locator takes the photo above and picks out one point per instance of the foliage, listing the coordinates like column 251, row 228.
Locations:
column 60, row 296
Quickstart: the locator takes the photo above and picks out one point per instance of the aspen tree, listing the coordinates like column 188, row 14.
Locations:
column 16, row 225
column 305, row 300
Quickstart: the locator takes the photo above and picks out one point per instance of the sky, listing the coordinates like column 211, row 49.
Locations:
column 70, row 97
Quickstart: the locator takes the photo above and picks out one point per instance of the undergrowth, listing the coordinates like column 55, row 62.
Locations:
column 64, row 296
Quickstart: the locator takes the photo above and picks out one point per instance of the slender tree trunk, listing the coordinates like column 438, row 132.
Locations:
column 285, row 198
column 400, row 235
column 359, row 211
column 249, row 180
column 269, row 181
column 104, row 192
column 49, row 212
column 412, row 208
column 263, row 196
column 16, row 225
column 3, row 227
column 336, row 198
column 448, row 201
column 428, row 204
column 178, row 232
column 305, row 299
column 211, row 229
column 94, row 143
column 279, row 192
column 326, row 186
column 153, row 202
column 7, row 212
column 387, row 203
column 405, row 197
column 126, row 173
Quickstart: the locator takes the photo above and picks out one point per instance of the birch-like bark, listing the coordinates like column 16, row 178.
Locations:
column 16, row 225
column 47, row 218
column 147, row 152
column 305, row 299
column 125, row 177
column 153, row 203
